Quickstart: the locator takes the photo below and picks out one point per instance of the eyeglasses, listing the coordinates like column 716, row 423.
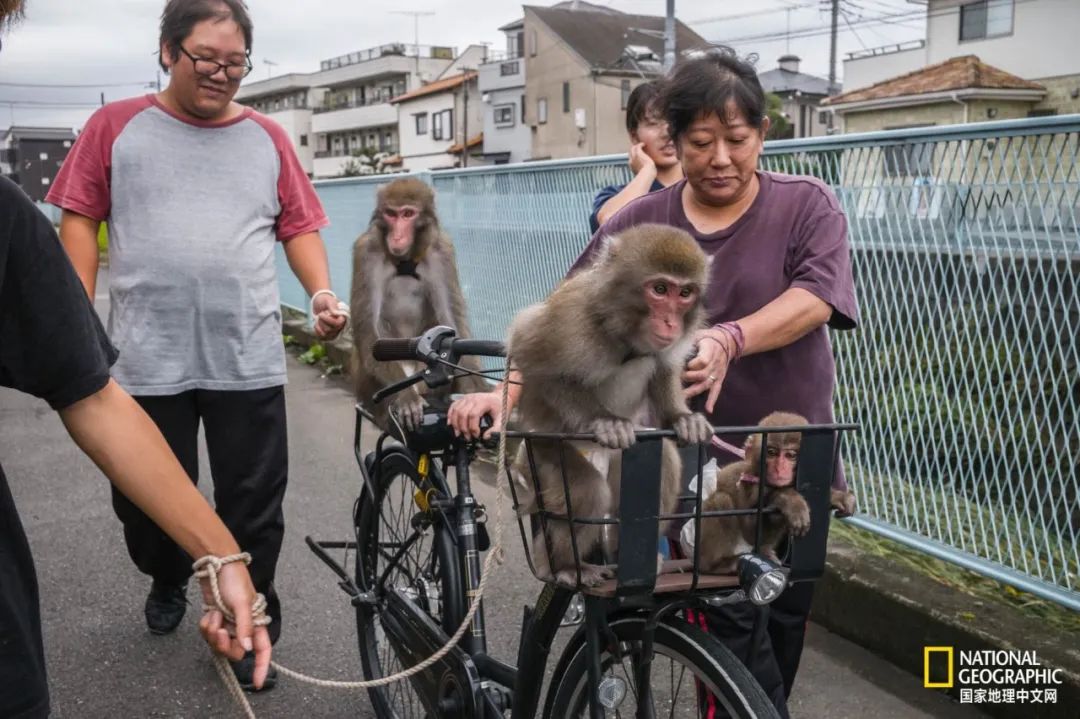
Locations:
column 209, row 68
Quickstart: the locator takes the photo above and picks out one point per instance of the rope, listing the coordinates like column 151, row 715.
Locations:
column 210, row 566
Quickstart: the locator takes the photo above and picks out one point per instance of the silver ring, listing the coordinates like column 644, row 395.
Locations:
column 712, row 378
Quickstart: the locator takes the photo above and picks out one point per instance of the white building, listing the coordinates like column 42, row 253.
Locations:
column 1032, row 39
column 507, row 137
column 438, row 120
column 345, row 107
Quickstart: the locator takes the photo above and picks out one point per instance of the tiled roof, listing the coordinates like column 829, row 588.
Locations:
column 473, row 142
column 447, row 83
column 958, row 73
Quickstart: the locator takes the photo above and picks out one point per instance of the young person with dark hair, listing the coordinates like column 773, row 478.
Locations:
column 57, row 350
column 652, row 156
column 197, row 191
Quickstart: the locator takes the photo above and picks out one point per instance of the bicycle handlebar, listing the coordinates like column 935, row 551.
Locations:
column 429, row 346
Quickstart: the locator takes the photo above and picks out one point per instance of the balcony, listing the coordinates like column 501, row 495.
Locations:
column 352, row 115
column 323, row 154
column 400, row 49
column 502, row 74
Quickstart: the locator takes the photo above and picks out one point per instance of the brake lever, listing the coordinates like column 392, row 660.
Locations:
column 409, row 381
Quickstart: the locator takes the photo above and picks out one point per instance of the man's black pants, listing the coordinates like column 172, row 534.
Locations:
column 246, row 441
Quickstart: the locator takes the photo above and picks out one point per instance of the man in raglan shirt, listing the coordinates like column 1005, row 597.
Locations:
column 197, row 190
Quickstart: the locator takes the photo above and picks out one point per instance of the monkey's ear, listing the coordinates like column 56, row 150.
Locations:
column 609, row 245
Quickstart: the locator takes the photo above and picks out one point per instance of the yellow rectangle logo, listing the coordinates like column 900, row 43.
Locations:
column 927, row 652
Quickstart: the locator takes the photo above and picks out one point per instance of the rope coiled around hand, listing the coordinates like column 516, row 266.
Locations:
column 209, row 566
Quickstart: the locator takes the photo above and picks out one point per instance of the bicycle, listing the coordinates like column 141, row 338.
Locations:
column 417, row 567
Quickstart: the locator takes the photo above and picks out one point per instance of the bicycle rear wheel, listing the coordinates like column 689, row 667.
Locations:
column 690, row 669
column 417, row 557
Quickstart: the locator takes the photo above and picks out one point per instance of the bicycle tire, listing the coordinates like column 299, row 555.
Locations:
column 398, row 479
column 711, row 664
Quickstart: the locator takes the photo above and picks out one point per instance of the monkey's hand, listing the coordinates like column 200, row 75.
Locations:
column 795, row 510
column 692, row 428
column 843, row 502
column 408, row 407
column 613, row 432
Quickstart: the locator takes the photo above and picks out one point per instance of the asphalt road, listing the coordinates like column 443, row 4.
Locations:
column 103, row 662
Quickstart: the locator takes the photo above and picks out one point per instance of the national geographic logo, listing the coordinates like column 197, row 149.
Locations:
column 989, row 676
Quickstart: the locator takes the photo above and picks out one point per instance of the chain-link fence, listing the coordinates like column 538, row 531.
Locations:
column 965, row 372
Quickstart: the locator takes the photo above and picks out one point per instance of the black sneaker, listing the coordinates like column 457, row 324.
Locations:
column 245, row 674
column 165, row 606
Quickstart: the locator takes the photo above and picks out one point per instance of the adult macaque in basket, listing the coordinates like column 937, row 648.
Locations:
column 723, row 539
column 605, row 350
column 404, row 282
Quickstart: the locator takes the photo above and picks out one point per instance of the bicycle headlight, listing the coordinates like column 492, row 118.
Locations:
column 762, row 580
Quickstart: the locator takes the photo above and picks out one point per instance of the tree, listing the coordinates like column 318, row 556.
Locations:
column 779, row 125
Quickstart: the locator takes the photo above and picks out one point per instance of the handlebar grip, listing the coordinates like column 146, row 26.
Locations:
column 390, row 350
column 479, row 348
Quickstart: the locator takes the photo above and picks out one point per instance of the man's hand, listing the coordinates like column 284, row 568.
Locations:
column 238, row 594
column 329, row 319
column 465, row 413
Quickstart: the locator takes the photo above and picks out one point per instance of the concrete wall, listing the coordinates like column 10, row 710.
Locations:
column 865, row 71
column 297, row 124
column 942, row 113
column 1060, row 94
column 514, row 138
column 1042, row 42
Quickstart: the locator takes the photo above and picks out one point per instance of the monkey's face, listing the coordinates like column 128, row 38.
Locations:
column 400, row 224
column 669, row 299
column 781, row 457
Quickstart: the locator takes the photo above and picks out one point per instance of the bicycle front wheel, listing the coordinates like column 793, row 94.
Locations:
column 691, row 674
column 398, row 548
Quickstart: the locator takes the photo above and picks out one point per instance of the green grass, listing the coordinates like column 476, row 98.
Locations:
column 957, row 578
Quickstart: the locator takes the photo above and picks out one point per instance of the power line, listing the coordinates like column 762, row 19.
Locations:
column 754, row 13
column 46, row 103
column 62, row 86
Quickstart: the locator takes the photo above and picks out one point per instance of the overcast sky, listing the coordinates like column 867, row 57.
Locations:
column 110, row 44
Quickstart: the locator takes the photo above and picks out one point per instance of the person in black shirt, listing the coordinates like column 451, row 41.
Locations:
column 52, row 346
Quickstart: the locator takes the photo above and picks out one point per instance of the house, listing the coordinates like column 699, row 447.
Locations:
column 344, row 108
column 31, row 156
column 507, row 137
column 581, row 63
column 984, row 55
column 800, row 95
column 961, row 89
column 441, row 124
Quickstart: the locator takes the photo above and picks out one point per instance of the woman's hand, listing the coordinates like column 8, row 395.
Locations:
column 465, row 413
column 238, row 595
column 706, row 371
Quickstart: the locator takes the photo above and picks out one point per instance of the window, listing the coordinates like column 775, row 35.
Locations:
column 509, row 68
column 986, row 18
column 442, row 125
column 421, row 123
column 522, row 109
column 1042, row 113
column 624, row 99
column 504, row 116
column 303, row 141
column 566, row 97
column 541, row 110
column 532, row 43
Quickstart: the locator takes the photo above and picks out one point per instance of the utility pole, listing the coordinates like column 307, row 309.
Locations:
column 832, row 57
column 465, row 123
column 416, row 34
column 669, row 36
column 103, row 99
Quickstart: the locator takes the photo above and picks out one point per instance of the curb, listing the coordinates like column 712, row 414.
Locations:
column 895, row 612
